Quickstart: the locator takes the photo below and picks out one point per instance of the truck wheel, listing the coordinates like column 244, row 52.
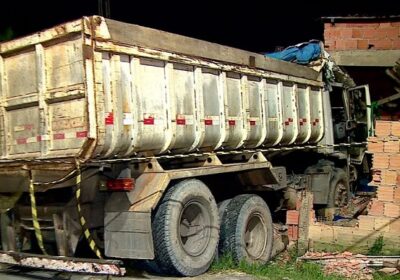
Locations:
column 247, row 229
column 222, row 208
column 339, row 189
column 186, row 229
column 221, row 214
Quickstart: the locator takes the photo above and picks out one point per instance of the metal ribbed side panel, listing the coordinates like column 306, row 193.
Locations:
column 303, row 105
column 234, row 111
column 273, row 112
column 256, row 106
column 289, row 113
column 317, row 116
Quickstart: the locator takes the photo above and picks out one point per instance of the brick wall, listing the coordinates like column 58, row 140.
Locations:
column 362, row 36
column 385, row 208
column 383, row 212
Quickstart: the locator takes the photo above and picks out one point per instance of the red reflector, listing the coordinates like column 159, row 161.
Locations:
column 125, row 184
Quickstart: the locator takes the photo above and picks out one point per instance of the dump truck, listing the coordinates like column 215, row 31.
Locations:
column 123, row 142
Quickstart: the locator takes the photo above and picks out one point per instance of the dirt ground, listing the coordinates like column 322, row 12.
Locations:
column 15, row 273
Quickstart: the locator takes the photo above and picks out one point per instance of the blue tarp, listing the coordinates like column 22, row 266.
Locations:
column 302, row 53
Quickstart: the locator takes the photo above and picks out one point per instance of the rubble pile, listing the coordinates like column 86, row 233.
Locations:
column 354, row 266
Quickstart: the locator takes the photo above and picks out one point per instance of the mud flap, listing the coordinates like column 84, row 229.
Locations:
column 128, row 235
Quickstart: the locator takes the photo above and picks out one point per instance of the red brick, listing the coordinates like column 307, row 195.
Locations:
column 395, row 23
column 366, row 222
column 357, row 33
column 395, row 129
column 330, row 45
column 328, row 25
column 392, row 210
column 350, row 44
column 346, row 33
column 391, row 32
column 394, row 161
column 341, row 25
column 383, row 44
column 395, row 226
column 389, row 177
column 346, row 44
column 380, row 160
column 293, row 232
column 376, row 208
column 383, row 128
column 396, row 44
column 372, row 33
column 384, row 25
column 385, row 193
column 362, row 44
column 391, row 147
column 363, row 24
column 292, row 217
column 375, row 147
column 382, row 224
column 396, row 195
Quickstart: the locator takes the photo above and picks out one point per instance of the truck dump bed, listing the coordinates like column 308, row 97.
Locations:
column 105, row 89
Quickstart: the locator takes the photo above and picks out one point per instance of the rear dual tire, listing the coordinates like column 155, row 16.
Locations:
column 246, row 229
column 186, row 229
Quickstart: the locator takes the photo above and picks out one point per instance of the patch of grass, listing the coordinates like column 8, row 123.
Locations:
column 380, row 276
column 274, row 270
column 287, row 270
column 376, row 248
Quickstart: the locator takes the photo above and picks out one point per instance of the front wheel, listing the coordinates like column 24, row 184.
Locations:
column 339, row 193
column 186, row 229
column 247, row 229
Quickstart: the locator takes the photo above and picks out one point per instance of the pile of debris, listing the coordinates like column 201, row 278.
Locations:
column 354, row 266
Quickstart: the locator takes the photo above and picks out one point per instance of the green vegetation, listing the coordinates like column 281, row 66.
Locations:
column 287, row 269
column 376, row 248
column 275, row 270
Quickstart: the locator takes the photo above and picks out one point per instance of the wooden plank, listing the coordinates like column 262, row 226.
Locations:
column 132, row 34
column 373, row 58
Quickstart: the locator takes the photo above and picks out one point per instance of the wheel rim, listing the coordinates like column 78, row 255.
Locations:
column 341, row 197
column 194, row 230
column 255, row 237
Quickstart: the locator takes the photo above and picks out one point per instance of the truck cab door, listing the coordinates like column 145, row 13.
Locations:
column 358, row 111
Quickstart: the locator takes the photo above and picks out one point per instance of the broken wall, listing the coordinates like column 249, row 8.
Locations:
column 382, row 216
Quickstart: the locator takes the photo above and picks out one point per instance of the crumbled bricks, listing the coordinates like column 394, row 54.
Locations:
column 344, row 264
column 354, row 266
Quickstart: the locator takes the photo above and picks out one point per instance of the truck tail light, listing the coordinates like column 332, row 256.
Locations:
column 124, row 184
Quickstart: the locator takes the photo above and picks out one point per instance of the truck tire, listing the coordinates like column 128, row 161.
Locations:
column 186, row 229
column 339, row 189
column 222, row 205
column 222, row 208
column 247, row 230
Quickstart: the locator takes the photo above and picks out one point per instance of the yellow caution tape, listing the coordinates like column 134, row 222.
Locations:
column 36, row 225
column 92, row 243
